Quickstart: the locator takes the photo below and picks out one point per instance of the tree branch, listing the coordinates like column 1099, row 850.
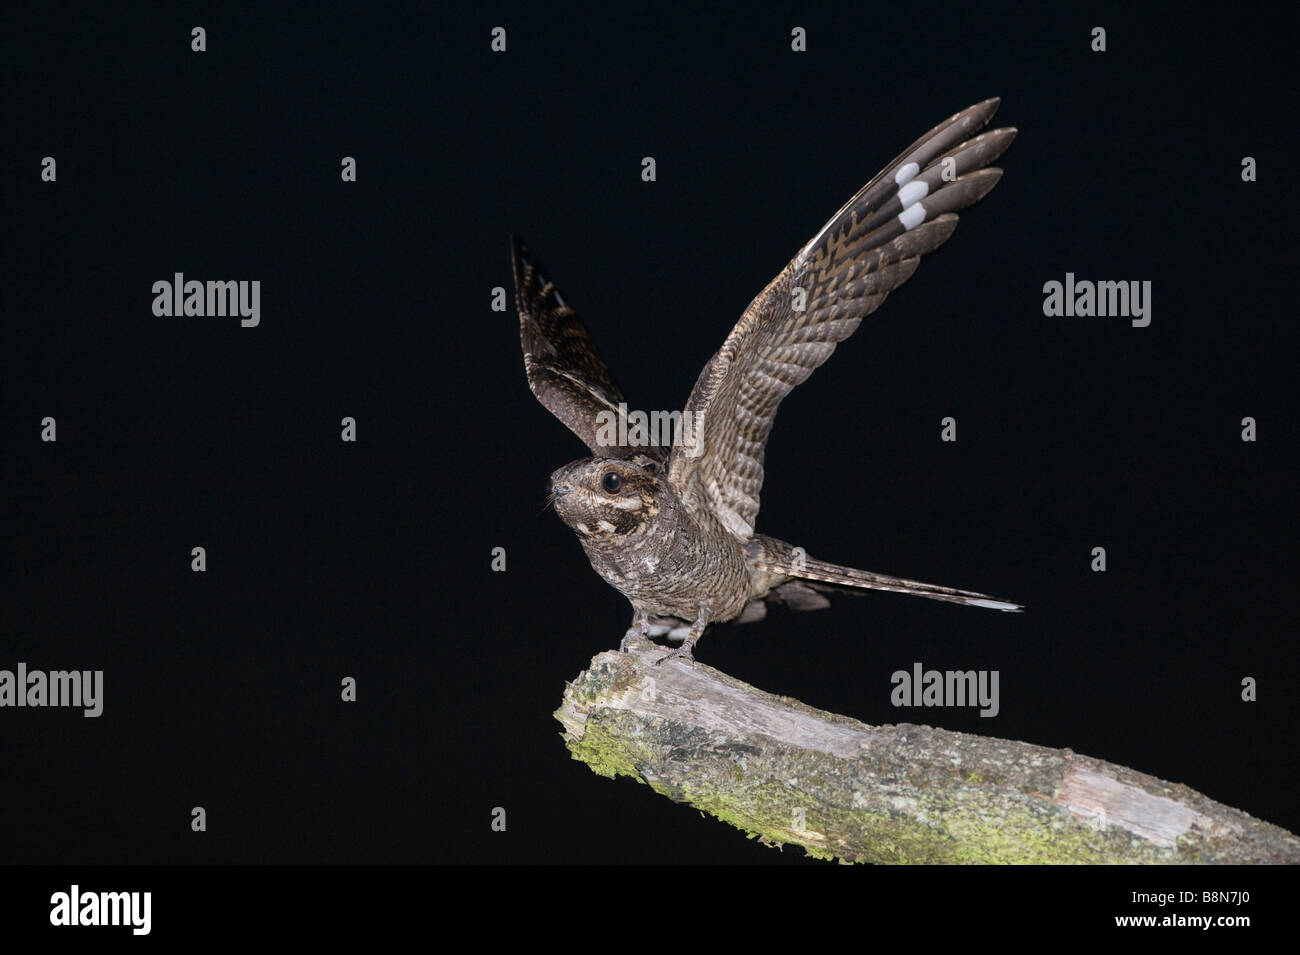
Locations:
column 785, row 772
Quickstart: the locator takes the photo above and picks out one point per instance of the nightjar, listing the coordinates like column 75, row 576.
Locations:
column 673, row 529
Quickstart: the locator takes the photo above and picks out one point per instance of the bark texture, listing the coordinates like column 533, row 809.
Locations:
column 787, row 773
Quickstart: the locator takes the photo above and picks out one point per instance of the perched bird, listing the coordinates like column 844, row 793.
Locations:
column 673, row 530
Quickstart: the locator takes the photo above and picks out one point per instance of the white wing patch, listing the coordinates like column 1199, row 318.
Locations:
column 906, row 174
column 912, row 216
column 913, row 192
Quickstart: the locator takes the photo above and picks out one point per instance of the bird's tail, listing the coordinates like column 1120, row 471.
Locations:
column 782, row 560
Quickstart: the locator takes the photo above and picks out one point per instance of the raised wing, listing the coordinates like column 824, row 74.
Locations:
column 867, row 249
column 564, row 370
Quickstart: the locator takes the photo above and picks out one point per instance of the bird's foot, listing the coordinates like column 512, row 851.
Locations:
column 637, row 633
column 684, row 652
column 632, row 637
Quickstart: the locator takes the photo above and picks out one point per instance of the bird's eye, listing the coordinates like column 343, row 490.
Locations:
column 611, row 482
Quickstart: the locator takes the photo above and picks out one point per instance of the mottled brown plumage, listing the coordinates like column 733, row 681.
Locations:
column 675, row 533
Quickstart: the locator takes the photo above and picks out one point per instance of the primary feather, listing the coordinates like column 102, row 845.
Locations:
column 867, row 249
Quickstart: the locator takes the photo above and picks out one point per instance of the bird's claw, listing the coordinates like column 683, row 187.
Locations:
column 684, row 652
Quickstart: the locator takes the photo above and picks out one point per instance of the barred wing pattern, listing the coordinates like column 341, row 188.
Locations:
column 867, row 249
column 564, row 370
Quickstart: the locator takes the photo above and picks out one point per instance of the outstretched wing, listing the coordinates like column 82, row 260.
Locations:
column 564, row 370
column 867, row 249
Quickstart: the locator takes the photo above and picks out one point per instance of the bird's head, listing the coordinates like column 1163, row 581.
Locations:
column 608, row 500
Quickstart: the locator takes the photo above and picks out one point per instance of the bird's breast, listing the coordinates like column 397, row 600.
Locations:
column 675, row 566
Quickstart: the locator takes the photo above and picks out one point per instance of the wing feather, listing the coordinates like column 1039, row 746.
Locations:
column 869, row 247
column 564, row 369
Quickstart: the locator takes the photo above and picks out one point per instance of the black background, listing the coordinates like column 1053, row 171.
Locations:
column 372, row 559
